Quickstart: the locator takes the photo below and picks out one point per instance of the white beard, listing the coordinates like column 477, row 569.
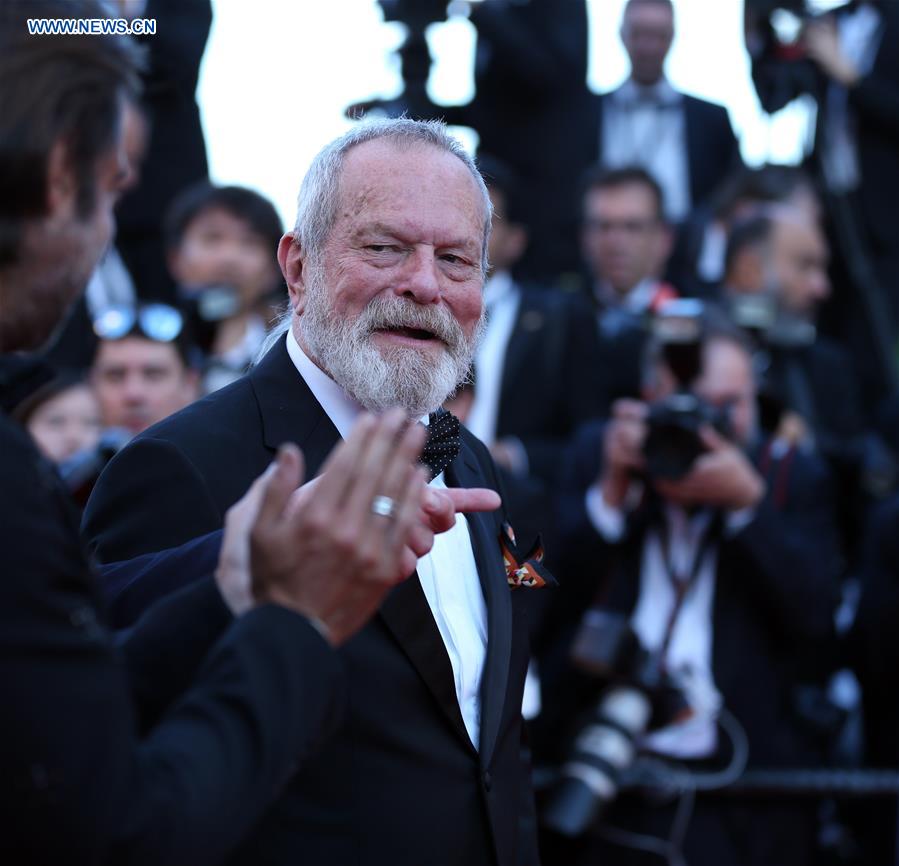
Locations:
column 381, row 379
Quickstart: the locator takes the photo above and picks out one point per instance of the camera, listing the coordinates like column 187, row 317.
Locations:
column 205, row 308
column 640, row 697
column 673, row 440
column 781, row 69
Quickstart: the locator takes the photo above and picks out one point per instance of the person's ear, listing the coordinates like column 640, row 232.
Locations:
column 292, row 261
column 61, row 182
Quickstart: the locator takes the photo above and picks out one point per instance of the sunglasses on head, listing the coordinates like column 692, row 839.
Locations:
column 158, row 322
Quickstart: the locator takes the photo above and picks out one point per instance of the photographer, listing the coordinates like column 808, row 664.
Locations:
column 718, row 550
column 846, row 61
column 625, row 245
column 220, row 247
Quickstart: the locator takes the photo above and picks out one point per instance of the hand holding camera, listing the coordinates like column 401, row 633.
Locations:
column 623, row 449
column 722, row 477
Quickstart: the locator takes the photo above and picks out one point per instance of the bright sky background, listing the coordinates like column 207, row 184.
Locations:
column 278, row 74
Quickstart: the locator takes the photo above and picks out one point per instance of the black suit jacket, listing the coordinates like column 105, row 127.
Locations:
column 401, row 782
column 160, row 748
column 551, row 381
column 712, row 149
column 775, row 592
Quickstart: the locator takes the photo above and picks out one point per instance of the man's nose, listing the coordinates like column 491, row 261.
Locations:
column 133, row 389
column 420, row 278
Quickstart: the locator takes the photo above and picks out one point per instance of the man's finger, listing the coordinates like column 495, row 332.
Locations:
column 467, row 500
column 629, row 410
column 337, row 471
column 278, row 487
column 712, row 439
column 380, row 471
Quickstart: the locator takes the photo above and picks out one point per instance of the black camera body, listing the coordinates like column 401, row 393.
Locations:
column 673, row 441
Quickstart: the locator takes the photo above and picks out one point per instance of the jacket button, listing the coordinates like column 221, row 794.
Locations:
column 488, row 780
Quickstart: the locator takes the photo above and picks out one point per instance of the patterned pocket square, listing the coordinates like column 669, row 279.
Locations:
column 524, row 569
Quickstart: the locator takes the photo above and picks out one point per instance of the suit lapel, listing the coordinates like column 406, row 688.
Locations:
column 290, row 413
column 465, row 472
column 529, row 322
column 289, row 410
column 408, row 616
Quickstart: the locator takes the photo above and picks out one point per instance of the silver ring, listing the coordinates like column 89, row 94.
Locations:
column 384, row 505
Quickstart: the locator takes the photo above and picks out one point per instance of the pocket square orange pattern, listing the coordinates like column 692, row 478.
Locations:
column 527, row 569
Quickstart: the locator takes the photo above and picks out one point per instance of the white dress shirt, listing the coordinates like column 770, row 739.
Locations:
column 859, row 34
column 689, row 653
column 646, row 126
column 501, row 298
column 448, row 574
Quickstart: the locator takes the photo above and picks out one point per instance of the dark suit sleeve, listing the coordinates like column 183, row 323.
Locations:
column 118, row 518
column 165, row 648
column 80, row 783
column 132, row 586
column 578, row 393
column 876, row 96
column 787, row 557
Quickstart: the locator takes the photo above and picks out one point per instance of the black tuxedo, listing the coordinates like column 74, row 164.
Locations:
column 551, row 381
column 401, row 782
column 93, row 773
column 712, row 149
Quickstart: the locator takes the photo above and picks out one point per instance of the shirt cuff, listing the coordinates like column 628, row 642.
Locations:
column 737, row 521
column 606, row 520
column 521, row 466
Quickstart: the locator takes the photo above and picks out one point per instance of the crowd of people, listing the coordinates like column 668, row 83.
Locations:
column 692, row 424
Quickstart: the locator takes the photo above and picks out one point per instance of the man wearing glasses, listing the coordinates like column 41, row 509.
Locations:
column 142, row 370
column 625, row 243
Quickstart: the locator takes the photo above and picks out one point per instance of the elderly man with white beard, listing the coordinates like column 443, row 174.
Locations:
column 385, row 270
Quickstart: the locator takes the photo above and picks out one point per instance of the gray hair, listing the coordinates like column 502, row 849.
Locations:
column 319, row 195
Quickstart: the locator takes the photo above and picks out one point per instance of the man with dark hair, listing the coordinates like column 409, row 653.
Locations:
column 221, row 244
column 625, row 242
column 532, row 335
column 685, row 142
column 140, row 379
column 777, row 269
column 164, row 748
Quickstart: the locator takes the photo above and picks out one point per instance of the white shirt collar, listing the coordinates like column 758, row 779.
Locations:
column 497, row 287
column 342, row 409
column 661, row 92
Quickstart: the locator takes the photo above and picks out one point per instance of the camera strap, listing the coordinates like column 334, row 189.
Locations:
column 683, row 580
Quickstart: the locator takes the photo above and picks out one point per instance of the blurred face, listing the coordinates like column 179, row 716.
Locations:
column 139, row 382
column 646, row 32
column 393, row 309
column 507, row 240
column 66, row 424
column 727, row 382
column 623, row 239
column 59, row 252
column 799, row 263
column 219, row 248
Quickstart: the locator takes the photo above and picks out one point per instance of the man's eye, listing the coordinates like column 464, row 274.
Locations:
column 381, row 248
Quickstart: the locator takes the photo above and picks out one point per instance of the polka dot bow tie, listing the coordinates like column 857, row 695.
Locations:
column 442, row 445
